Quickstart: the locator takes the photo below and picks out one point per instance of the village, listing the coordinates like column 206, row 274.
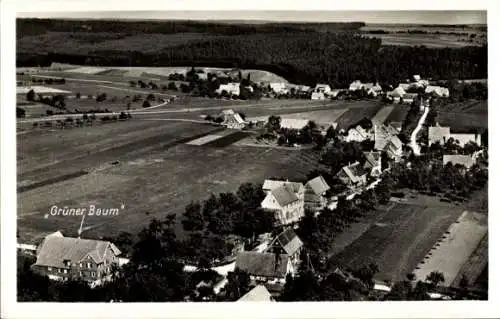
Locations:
column 273, row 258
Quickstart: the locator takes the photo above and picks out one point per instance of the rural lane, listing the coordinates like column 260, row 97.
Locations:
column 413, row 142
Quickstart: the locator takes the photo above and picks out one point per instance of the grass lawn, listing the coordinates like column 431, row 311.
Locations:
column 463, row 122
column 399, row 240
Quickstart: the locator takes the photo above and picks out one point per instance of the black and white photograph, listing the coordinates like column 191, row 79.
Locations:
column 273, row 156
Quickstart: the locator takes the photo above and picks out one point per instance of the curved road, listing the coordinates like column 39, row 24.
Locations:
column 413, row 141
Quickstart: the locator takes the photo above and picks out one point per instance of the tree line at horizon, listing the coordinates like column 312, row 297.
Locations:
column 299, row 55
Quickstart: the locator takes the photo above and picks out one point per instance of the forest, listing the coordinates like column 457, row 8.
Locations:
column 335, row 54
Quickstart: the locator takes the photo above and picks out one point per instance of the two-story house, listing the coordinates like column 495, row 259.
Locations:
column 357, row 134
column 353, row 175
column 287, row 243
column 315, row 196
column 286, row 199
column 233, row 120
column 63, row 258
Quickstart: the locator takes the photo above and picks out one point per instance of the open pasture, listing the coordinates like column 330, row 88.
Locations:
column 399, row 240
column 463, row 122
column 145, row 165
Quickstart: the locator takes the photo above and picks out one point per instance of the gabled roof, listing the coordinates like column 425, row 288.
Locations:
column 318, row 185
column 353, row 171
column 54, row 250
column 383, row 134
column 396, row 142
column 289, row 241
column 262, row 264
column 259, row 293
column 399, row 91
column 284, row 195
column 372, row 159
column 361, row 131
column 464, row 160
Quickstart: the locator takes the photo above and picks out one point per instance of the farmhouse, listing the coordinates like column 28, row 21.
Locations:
column 230, row 88
column 394, row 148
column 441, row 134
column 315, row 194
column 265, row 267
column 278, row 87
column 373, row 163
column 438, row 134
column 63, row 258
column 286, row 199
column 317, row 96
column 396, row 94
column 463, row 139
column 465, row 160
column 437, row 91
column 233, row 120
column 287, row 243
column 352, row 175
column 371, row 88
column 258, row 293
column 357, row 134
column 322, row 88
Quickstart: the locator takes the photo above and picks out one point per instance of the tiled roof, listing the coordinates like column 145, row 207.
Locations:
column 372, row 158
column 262, row 264
column 284, row 195
column 318, row 185
column 54, row 250
column 354, row 172
column 289, row 241
column 259, row 293
column 383, row 134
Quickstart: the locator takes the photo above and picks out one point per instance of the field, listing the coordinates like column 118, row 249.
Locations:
column 383, row 114
column 463, row 122
column 398, row 114
column 430, row 36
column 398, row 239
column 354, row 115
column 453, row 250
column 144, row 165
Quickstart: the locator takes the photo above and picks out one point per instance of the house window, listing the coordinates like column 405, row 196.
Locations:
column 59, row 270
column 65, row 271
column 49, row 268
column 81, row 274
column 92, row 274
column 81, row 265
column 89, row 265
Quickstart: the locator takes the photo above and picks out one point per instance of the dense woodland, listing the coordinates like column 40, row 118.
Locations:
column 336, row 55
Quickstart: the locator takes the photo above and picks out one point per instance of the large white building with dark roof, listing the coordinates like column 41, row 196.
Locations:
column 286, row 199
column 63, row 258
